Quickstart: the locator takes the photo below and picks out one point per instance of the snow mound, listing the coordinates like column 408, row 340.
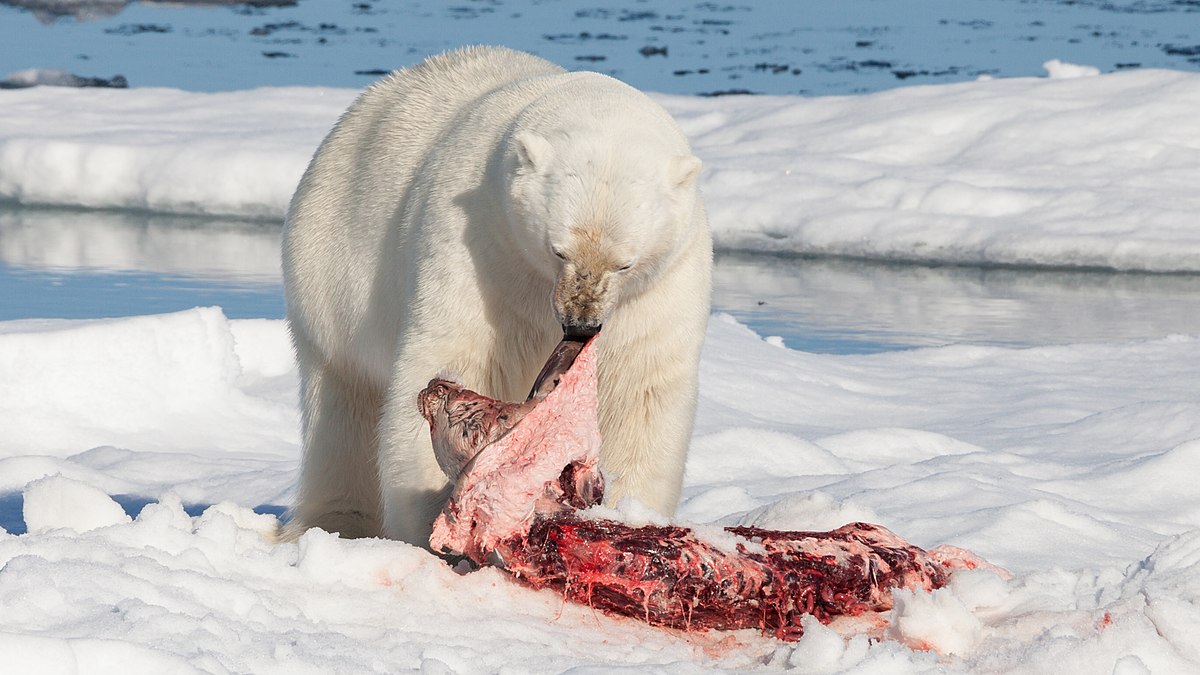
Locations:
column 58, row 502
column 1074, row 170
column 167, row 383
column 936, row 620
column 1043, row 172
column 161, row 149
column 1060, row 71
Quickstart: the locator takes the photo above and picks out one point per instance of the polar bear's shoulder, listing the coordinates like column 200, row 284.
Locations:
column 467, row 71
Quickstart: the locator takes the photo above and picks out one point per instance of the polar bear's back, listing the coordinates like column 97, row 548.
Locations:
column 418, row 104
column 379, row 143
column 352, row 196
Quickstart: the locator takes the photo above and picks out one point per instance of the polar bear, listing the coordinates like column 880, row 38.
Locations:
column 461, row 215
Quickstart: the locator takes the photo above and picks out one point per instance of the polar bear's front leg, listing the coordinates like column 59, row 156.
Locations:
column 647, row 407
column 414, row 488
column 339, row 483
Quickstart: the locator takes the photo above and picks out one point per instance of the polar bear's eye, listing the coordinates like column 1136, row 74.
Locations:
column 558, row 253
column 625, row 268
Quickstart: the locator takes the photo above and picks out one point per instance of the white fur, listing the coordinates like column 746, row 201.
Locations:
column 426, row 236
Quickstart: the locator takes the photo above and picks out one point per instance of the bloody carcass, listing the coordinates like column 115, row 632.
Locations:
column 526, row 473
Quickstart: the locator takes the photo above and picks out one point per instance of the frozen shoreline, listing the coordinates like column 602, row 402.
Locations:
column 1073, row 172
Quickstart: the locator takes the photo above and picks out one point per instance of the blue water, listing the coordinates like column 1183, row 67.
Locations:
column 83, row 293
column 79, row 264
column 673, row 46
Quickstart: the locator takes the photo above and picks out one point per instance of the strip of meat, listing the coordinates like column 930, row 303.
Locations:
column 524, row 471
column 462, row 422
column 667, row 576
column 514, row 476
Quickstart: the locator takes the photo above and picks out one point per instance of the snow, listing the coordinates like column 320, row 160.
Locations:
column 934, row 620
column 1073, row 170
column 144, row 460
column 1057, row 69
column 229, row 152
column 1071, row 466
column 58, row 502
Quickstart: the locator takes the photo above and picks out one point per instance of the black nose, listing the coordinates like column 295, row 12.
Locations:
column 580, row 332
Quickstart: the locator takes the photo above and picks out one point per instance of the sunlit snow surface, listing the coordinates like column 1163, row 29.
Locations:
column 1090, row 171
column 1073, row 465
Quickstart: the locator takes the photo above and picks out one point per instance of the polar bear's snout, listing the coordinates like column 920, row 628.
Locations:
column 584, row 297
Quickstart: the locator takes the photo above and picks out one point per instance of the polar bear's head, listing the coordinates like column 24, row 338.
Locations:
column 602, row 215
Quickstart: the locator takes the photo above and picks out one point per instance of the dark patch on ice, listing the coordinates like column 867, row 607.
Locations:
column 773, row 68
column 630, row 15
column 591, row 58
column 846, row 65
column 953, row 70
column 622, row 15
column 582, row 36
column 374, row 72
column 1181, row 50
column 1137, row 7
column 975, row 24
column 250, row 8
column 138, row 29
column 323, row 28
column 649, row 51
column 465, row 12
column 270, row 28
column 728, row 92
column 279, row 55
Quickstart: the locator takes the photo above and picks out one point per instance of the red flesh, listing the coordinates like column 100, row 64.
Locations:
column 664, row 575
column 667, row 576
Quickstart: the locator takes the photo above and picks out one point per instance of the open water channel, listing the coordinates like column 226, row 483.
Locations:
column 91, row 264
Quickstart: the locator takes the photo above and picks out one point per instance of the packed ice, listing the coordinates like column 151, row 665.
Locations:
column 1062, row 171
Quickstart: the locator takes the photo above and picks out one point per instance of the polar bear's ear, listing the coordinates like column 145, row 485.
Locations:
column 533, row 150
column 684, row 170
